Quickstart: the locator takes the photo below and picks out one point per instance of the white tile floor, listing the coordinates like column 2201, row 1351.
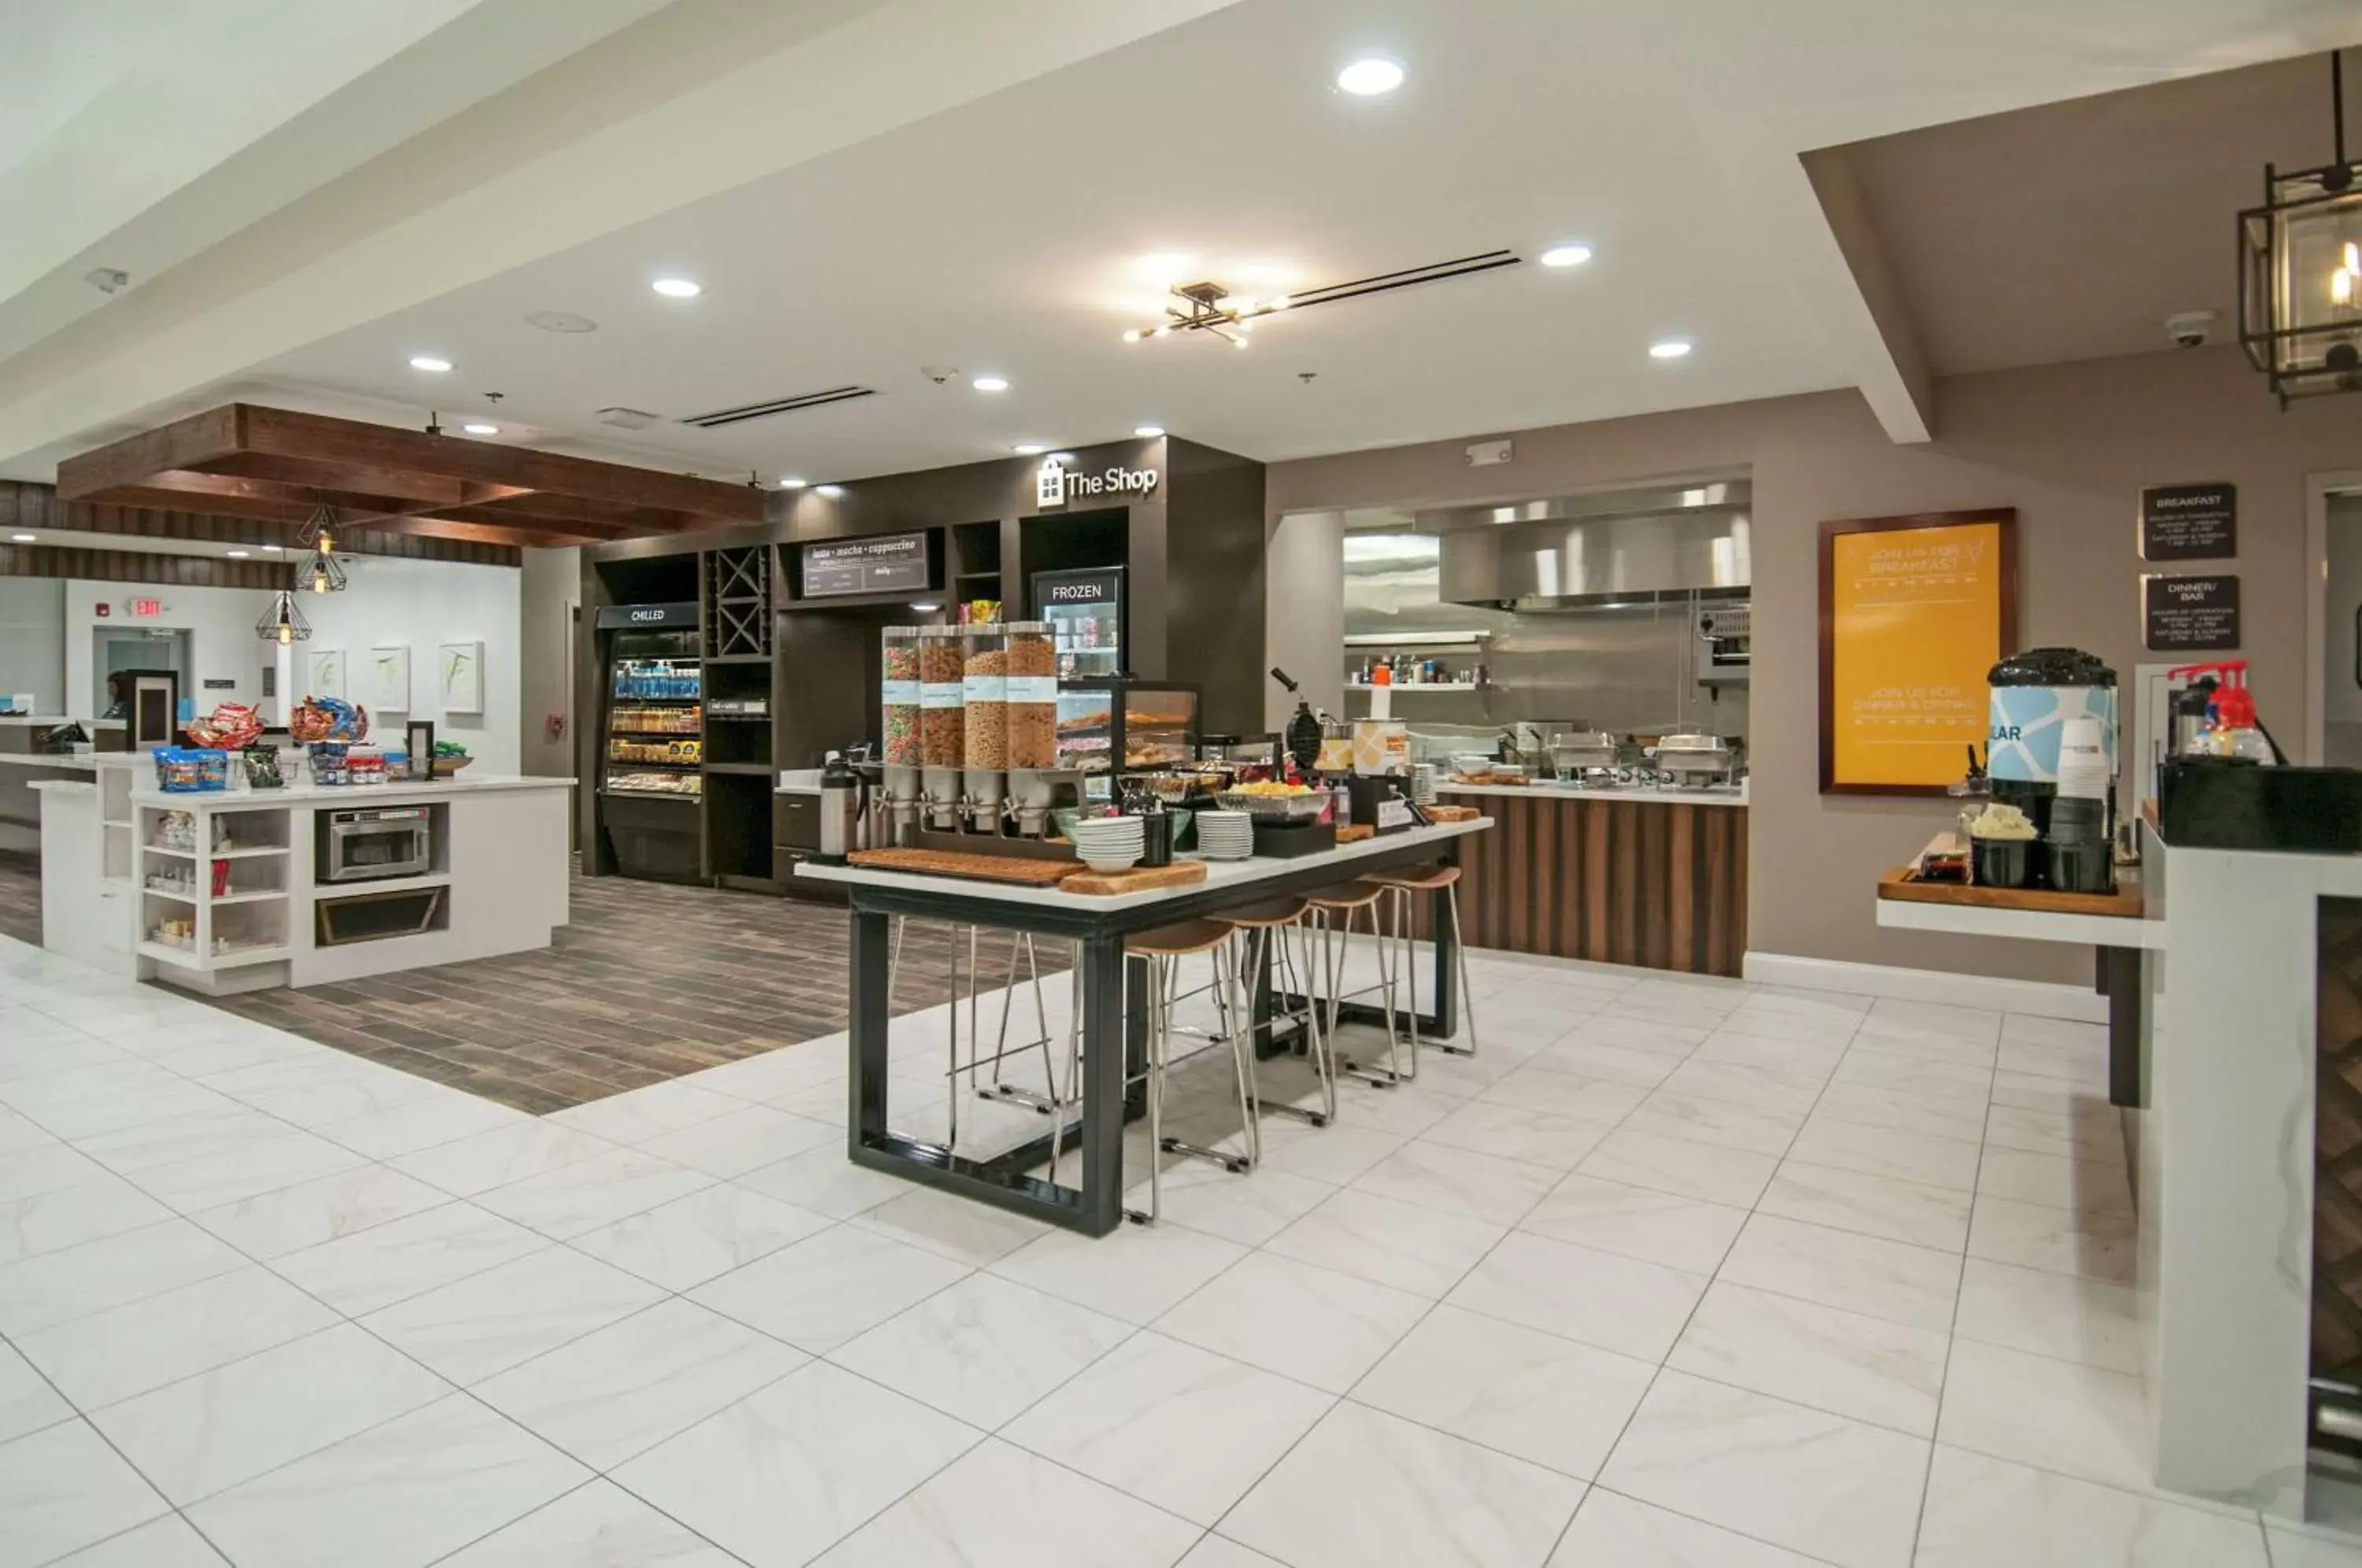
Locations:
column 1673, row 1273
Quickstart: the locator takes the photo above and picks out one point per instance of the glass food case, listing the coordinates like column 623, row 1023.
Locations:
column 1106, row 727
column 654, row 729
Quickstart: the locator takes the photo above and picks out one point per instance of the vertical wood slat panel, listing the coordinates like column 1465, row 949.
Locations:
column 1656, row 884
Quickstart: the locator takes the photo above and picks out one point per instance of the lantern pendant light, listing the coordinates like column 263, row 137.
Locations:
column 322, row 572
column 284, row 624
column 2300, row 271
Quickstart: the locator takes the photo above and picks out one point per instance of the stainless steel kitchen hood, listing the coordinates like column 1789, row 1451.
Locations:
column 1580, row 552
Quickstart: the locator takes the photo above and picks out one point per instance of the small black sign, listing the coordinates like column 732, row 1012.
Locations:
column 885, row 563
column 1078, row 588
column 671, row 617
column 2190, row 522
column 217, row 684
column 2189, row 614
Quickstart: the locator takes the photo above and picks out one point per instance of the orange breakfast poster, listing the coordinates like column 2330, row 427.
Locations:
column 1915, row 613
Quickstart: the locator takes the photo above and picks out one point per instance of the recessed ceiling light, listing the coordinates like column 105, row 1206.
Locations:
column 1566, row 256
column 677, row 288
column 922, row 605
column 1367, row 78
column 23, row 538
column 239, row 555
column 831, row 491
column 989, row 384
column 1029, row 448
column 1062, row 457
column 482, row 429
column 1671, row 349
column 1148, row 432
column 793, row 482
column 272, row 548
column 429, row 363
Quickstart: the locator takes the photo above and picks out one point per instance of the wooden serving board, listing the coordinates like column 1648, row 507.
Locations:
column 1355, row 833
column 1138, row 879
column 1453, row 813
column 976, row 867
column 1903, row 885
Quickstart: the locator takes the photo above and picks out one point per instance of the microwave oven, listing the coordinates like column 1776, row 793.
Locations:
column 366, row 843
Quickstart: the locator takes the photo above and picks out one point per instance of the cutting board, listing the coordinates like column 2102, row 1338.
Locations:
column 1138, row 879
column 975, row 867
column 1903, row 886
column 1453, row 813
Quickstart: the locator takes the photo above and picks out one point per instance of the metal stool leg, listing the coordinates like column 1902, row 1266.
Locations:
column 1467, row 995
column 1407, row 969
column 1238, row 1023
column 1391, row 1074
column 1156, row 1071
column 1271, row 941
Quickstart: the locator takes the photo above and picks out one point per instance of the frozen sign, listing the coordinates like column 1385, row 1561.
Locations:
column 1055, row 484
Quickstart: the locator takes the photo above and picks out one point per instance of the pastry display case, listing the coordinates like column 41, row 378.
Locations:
column 1106, row 727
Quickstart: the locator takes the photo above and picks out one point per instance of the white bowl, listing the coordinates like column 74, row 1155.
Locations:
column 1123, row 862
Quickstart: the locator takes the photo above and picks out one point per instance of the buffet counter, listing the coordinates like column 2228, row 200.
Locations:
column 1626, row 876
column 245, row 889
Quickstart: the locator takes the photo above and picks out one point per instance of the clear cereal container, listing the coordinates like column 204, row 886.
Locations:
column 984, row 672
column 941, row 697
column 899, row 688
column 1033, row 694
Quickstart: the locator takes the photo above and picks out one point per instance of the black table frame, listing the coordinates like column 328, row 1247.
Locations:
column 1113, row 1043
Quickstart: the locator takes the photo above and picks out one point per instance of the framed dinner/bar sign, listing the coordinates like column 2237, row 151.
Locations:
column 1914, row 610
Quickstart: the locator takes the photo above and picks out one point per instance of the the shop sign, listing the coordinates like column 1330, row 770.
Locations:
column 1055, row 484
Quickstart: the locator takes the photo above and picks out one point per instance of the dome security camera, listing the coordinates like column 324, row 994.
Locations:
column 2190, row 328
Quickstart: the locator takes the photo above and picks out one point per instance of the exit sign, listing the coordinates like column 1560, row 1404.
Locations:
column 147, row 607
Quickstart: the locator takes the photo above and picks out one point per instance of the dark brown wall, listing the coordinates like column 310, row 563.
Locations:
column 1216, row 581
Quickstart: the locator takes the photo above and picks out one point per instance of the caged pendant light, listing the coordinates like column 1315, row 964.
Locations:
column 284, row 624
column 2300, row 271
column 321, row 571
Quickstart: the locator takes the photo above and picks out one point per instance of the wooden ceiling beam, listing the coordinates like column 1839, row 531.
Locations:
column 272, row 465
column 484, row 532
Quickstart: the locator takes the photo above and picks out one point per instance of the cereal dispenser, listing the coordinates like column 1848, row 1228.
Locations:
column 1036, row 786
column 942, row 710
column 983, row 669
column 901, row 696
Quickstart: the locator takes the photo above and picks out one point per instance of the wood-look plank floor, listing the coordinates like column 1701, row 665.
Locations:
column 647, row 982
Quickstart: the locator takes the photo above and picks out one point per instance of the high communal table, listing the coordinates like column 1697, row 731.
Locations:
column 1113, row 1034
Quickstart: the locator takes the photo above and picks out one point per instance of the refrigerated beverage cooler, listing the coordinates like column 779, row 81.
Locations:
column 1084, row 610
column 651, row 740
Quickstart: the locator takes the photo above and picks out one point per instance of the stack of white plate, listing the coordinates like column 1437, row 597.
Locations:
column 1109, row 844
column 1225, row 836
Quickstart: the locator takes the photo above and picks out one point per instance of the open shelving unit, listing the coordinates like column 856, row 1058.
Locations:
column 737, row 762
column 226, row 895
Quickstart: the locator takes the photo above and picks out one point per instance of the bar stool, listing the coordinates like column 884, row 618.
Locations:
column 1050, row 1102
column 1165, row 948
column 1333, row 911
column 1400, row 887
column 1264, row 933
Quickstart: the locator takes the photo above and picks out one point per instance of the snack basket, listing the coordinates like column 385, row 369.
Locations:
column 187, row 769
column 1276, row 808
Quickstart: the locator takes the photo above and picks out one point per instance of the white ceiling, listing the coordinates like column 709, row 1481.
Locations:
column 1009, row 233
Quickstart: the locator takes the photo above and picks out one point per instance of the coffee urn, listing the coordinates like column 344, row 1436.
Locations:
column 2052, row 752
column 840, row 810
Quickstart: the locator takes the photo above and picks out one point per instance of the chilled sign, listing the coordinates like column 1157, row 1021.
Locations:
column 886, row 563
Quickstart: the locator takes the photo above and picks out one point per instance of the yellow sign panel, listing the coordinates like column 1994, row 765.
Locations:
column 1916, row 610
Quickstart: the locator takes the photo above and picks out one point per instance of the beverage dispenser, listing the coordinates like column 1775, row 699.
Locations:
column 2052, row 752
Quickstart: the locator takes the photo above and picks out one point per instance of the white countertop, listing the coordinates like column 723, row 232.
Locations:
column 1736, row 797
column 1220, row 874
column 341, row 794
column 79, row 762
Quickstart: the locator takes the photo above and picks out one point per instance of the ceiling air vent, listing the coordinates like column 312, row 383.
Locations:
column 721, row 416
column 626, row 418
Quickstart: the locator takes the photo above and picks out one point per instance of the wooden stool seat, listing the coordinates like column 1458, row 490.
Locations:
column 1346, row 896
column 1418, row 879
column 1264, row 917
column 1178, row 940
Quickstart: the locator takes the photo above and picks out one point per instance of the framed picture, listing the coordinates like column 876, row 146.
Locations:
column 460, row 677
column 324, row 672
column 1914, row 612
column 389, row 678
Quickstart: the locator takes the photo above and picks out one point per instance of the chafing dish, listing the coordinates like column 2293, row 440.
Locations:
column 1580, row 752
column 1694, row 760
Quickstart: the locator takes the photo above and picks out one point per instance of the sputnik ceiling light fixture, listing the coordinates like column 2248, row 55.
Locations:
column 1211, row 307
column 2300, row 271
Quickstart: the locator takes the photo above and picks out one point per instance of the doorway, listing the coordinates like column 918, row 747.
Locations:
column 147, row 648
column 2341, row 671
